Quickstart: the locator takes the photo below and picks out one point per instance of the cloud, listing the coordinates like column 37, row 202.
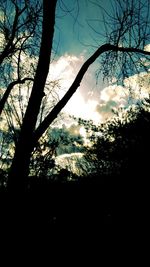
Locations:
column 106, row 107
column 147, row 47
column 91, row 102
column 111, row 97
column 114, row 93
column 64, row 69
column 1, row 40
column 137, row 86
column 83, row 103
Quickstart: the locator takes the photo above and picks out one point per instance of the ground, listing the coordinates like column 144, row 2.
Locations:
column 102, row 210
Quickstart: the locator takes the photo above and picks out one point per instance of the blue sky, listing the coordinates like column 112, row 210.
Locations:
column 75, row 16
column 73, row 28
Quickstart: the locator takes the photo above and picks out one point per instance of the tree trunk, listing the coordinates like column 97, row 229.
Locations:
column 17, row 179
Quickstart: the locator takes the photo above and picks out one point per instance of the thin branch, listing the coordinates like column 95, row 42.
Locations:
column 8, row 90
column 8, row 46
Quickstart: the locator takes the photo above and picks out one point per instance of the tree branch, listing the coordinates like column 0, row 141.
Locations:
column 61, row 104
column 8, row 90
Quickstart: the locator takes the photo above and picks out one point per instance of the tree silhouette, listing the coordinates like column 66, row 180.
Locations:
column 125, row 39
column 57, row 141
column 121, row 145
column 16, row 31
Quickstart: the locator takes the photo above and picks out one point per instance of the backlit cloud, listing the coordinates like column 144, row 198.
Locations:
column 147, row 48
column 89, row 102
column 82, row 104
column 97, row 106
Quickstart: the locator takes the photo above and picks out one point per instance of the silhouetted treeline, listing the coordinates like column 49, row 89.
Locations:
column 121, row 145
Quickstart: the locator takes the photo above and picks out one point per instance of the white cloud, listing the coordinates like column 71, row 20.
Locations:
column 82, row 104
column 1, row 41
column 65, row 69
column 113, row 93
column 85, row 103
column 147, row 48
column 137, row 86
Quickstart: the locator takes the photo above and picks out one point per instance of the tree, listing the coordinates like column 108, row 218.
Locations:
column 124, row 45
column 57, row 141
column 16, row 30
column 120, row 145
column 26, row 140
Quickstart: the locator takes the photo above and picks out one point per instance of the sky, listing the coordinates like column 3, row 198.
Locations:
column 92, row 101
column 73, row 28
column 74, row 42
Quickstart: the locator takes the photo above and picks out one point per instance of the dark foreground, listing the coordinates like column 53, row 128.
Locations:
column 103, row 211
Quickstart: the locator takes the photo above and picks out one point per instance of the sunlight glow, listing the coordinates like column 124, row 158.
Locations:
column 67, row 68
column 83, row 103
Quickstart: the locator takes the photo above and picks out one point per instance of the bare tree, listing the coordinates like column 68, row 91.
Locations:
column 26, row 136
column 18, row 30
column 126, row 37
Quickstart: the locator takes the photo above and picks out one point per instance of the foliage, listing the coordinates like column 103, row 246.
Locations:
column 121, row 145
column 57, row 141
